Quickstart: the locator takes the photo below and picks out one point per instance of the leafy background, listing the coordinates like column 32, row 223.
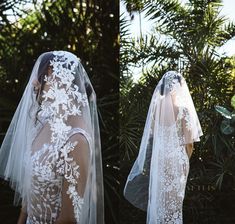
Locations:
column 90, row 30
column 186, row 38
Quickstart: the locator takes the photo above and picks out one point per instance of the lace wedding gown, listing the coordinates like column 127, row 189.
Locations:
column 157, row 180
column 48, row 186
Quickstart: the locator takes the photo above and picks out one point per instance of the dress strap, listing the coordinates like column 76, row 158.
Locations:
column 80, row 131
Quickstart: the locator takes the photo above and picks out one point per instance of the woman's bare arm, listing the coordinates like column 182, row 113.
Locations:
column 189, row 149
column 23, row 217
column 81, row 156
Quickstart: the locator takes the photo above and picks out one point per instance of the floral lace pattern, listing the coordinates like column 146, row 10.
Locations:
column 183, row 120
column 172, row 166
column 173, row 170
column 171, row 79
column 158, row 178
column 53, row 162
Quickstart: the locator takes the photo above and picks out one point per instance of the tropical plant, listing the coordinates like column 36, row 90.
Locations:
column 227, row 125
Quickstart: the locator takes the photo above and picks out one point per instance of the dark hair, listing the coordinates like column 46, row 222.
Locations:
column 163, row 86
column 42, row 71
column 88, row 88
column 177, row 76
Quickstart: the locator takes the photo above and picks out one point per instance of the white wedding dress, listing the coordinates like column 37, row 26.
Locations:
column 157, row 180
column 51, row 153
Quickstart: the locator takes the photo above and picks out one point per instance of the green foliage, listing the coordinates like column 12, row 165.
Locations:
column 228, row 123
column 224, row 112
column 233, row 102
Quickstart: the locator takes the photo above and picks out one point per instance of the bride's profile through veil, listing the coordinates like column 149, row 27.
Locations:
column 51, row 153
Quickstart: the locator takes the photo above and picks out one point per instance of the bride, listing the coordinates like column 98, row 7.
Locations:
column 157, row 180
column 51, row 153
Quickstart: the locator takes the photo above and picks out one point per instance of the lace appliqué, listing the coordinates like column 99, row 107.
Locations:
column 173, row 171
column 183, row 119
column 171, row 79
column 77, row 201
column 53, row 162
column 173, row 167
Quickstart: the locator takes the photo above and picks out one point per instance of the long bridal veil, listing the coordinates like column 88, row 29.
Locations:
column 51, row 153
column 157, row 180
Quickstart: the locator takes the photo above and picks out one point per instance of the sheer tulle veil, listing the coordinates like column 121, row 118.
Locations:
column 157, row 180
column 71, row 104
